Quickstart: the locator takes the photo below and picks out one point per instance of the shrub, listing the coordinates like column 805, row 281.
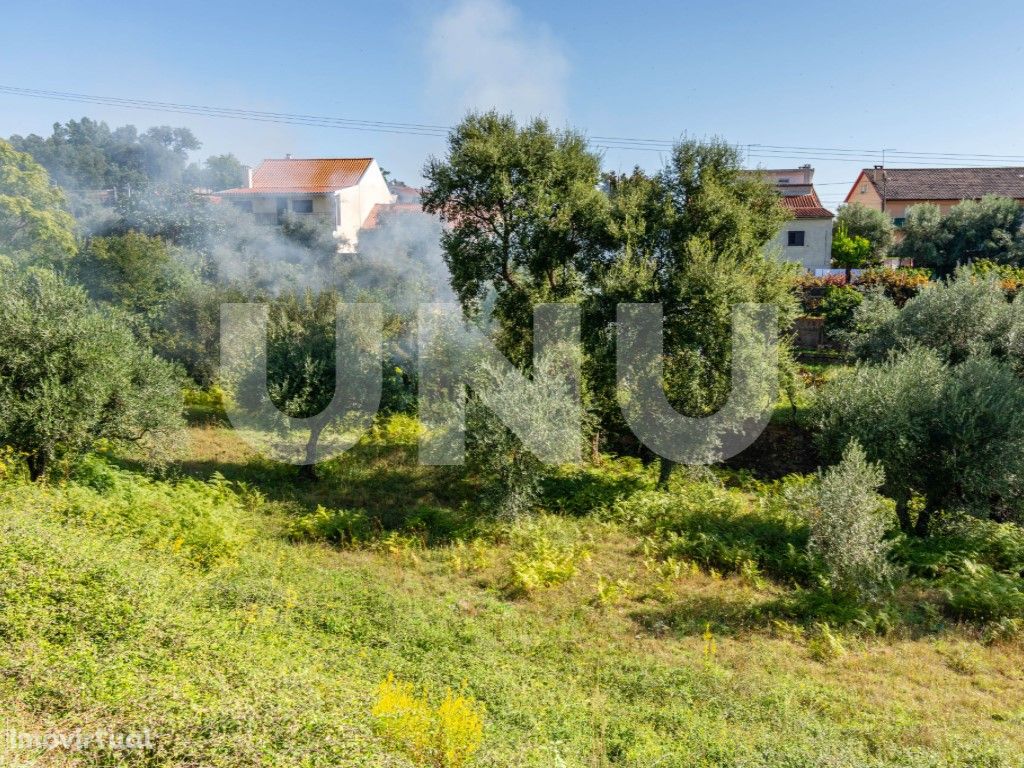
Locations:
column 961, row 538
column 719, row 529
column 952, row 434
column 900, row 285
column 72, row 374
column 838, row 307
column 512, row 476
column 978, row 593
column 588, row 489
column 445, row 735
column 847, row 524
column 337, row 526
column 546, row 551
column 958, row 318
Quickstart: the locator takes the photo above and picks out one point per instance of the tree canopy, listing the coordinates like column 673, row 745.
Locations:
column 71, row 374
column 35, row 226
column 860, row 221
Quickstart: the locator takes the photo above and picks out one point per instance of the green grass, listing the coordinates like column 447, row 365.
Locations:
column 197, row 606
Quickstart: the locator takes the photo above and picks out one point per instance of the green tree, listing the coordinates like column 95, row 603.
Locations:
column 86, row 154
column 961, row 317
column 35, row 226
column 851, row 252
column 71, row 374
column 691, row 238
column 989, row 229
column 525, row 217
column 924, row 237
column 848, row 524
column 954, row 435
column 132, row 270
column 860, row 221
column 218, row 172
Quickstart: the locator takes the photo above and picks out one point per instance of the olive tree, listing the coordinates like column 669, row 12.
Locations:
column 848, row 523
column 960, row 317
column 71, row 374
column 951, row 434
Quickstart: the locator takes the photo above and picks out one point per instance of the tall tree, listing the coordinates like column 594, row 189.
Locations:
column 34, row 224
column 691, row 238
column 525, row 216
column 850, row 252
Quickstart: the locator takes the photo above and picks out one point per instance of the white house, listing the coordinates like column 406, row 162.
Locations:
column 807, row 238
column 340, row 192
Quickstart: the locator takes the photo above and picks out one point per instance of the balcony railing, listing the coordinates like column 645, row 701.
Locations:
column 272, row 219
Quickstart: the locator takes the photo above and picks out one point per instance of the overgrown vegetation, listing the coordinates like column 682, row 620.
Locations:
column 605, row 611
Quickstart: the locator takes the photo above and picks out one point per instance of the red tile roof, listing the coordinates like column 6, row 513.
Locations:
column 378, row 210
column 806, row 206
column 944, row 183
column 310, row 176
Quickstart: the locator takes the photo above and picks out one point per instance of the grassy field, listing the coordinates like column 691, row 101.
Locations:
column 245, row 619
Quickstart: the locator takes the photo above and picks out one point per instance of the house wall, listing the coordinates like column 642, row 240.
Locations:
column 322, row 204
column 815, row 253
column 356, row 202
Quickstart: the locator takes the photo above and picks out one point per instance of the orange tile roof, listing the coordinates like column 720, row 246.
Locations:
column 806, row 206
column 373, row 220
column 313, row 175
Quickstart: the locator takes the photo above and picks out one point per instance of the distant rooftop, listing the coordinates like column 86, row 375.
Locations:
column 944, row 183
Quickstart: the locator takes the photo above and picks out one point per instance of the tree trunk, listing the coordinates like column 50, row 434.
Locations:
column 36, row 465
column 923, row 519
column 307, row 471
column 904, row 516
column 595, row 447
column 665, row 472
column 849, row 275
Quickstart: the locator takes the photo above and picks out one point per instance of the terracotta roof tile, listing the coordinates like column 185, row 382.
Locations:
column 381, row 210
column 946, row 183
column 313, row 175
column 806, row 206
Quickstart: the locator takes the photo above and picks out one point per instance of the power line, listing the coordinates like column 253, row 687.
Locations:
column 619, row 143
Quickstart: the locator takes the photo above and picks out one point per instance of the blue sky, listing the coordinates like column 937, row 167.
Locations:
column 912, row 76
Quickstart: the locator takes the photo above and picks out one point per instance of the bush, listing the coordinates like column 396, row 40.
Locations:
column 511, row 475
column 847, row 524
column 978, row 593
column 838, row 307
column 719, row 529
column 72, row 374
column 445, row 735
column 961, row 317
column 546, row 551
column 964, row 538
column 952, row 434
column 337, row 526
column 900, row 285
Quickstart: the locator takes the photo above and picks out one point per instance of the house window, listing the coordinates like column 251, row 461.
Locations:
column 796, row 237
column 863, row 189
column 243, row 205
column 782, row 181
column 899, row 221
column 302, row 206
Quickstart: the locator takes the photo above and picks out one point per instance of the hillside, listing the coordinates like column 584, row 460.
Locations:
column 226, row 613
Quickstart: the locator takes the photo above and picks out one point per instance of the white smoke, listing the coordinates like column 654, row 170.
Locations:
column 482, row 54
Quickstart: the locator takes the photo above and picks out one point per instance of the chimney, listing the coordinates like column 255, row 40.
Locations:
column 288, row 156
column 248, row 171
